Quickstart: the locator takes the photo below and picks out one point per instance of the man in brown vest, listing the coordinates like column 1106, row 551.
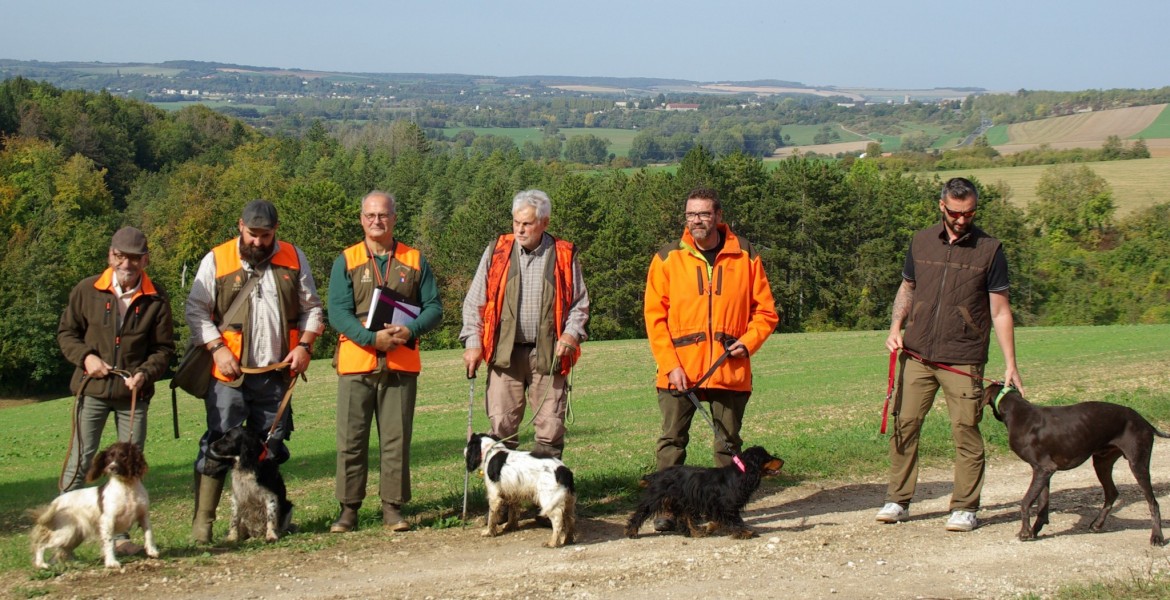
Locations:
column 525, row 316
column 954, row 289
column 377, row 370
column 277, row 322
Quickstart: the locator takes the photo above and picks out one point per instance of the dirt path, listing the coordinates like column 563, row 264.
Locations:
column 816, row 540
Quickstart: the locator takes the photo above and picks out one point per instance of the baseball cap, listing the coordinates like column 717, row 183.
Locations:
column 129, row 240
column 259, row 214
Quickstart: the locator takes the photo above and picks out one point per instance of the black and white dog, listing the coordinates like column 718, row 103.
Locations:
column 512, row 478
column 260, row 505
column 97, row 512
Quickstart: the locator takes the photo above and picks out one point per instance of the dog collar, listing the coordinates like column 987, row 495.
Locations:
column 1003, row 392
column 738, row 463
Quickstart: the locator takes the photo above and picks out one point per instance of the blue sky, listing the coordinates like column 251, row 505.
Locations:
column 995, row 44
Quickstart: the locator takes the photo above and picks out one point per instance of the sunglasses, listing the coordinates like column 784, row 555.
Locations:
column 955, row 214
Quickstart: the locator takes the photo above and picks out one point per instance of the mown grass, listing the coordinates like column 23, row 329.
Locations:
column 817, row 404
column 1136, row 184
column 802, row 135
column 620, row 139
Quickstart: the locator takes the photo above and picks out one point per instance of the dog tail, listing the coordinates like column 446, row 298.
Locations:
column 565, row 479
column 42, row 517
column 1160, row 433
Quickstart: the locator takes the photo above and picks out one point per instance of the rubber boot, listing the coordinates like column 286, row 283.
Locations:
column 207, row 492
column 348, row 519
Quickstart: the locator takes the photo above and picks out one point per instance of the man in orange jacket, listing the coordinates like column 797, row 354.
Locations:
column 704, row 293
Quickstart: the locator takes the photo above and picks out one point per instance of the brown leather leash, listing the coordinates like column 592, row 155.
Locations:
column 75, row 433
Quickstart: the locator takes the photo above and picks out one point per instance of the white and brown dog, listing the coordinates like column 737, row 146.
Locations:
column 97, row 512
column 260, row 504
column 513, row 478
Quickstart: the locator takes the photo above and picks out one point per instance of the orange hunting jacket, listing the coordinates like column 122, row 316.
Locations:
column 691, row 307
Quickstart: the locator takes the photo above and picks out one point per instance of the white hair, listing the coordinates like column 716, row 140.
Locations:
column 534, row 198
column 380, row 194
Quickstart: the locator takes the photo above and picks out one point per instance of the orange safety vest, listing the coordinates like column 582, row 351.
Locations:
column 562, row 283
column 230, row 277
column 405, row 278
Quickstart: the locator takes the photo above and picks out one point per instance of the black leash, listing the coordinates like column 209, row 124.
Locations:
column 690, row 394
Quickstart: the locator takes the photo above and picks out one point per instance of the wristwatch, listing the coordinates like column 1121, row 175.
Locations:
column 306, row 346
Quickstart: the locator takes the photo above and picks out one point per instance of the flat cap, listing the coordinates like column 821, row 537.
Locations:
column 259, row 214
column 129, row 240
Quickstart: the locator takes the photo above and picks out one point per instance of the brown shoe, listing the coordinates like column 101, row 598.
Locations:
column 392, row 518
column 347, row 520
column 125, row 547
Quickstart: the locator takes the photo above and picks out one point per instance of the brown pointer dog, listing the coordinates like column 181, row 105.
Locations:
column 1059, row 438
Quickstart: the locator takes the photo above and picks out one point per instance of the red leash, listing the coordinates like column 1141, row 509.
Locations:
column 947, row 367
column 889, row 391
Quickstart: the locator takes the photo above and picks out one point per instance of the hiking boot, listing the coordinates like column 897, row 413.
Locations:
column 664, row 524
column 347, row 520
column 124, row 547
column 962, row 520
column 392, row 518
column 893, row 512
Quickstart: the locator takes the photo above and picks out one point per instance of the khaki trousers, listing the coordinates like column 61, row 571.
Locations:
column 387, row 397
column 915, row 395
column 506, row 392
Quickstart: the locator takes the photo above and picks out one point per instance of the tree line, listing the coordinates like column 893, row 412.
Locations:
column 76, row 165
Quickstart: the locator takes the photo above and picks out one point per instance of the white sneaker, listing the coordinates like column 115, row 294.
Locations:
column 962, row 520
column 893, row 512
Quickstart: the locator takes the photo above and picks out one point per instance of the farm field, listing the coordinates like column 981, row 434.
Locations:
column 1136, row 183
column 620, row 139
column 212, row 104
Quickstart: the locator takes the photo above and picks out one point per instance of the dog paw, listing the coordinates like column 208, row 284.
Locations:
column 152, row 552
column 743, row 534
column 1156, row 539
column 113, row 564
column 1027, row 535
column 272, row 537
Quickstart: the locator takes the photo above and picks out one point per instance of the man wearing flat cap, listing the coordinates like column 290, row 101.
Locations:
column 253, row 304
column 115, row 323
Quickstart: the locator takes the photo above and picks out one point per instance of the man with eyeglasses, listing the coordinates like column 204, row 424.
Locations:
column 706, row 295
column 119, row 320
column 277, row 319
column 954, row 290
column 378, row 369
column 525, row 315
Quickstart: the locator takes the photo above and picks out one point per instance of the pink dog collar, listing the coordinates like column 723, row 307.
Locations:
column 738, row 463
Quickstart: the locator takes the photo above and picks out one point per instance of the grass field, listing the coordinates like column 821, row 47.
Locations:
column 1160, row 128
column 997, row 135
column 212, row 104
column 802, row 135
column 620, row 139
column 1136, row 183
column 817, row 404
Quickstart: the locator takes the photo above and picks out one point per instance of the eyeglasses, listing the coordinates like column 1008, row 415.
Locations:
column 955, row 214
column 377, row 216
column 121, row 258
column 699, row 216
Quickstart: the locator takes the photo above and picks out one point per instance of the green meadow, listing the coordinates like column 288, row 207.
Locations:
column 620, row 139
column 817, row 404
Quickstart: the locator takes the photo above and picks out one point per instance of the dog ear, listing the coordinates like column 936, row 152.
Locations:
column 472, row 453
column 137, row 468
column 98, row 467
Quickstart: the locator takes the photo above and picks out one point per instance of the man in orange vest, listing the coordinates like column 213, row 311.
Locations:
column 525, row 316
column 276, row 322
column 378, row 369
column 706, row 294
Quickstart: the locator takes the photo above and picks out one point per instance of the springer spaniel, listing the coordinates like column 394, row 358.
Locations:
column 513, row 478
column 97, row 512
column 260, row 504
column 714, row 495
